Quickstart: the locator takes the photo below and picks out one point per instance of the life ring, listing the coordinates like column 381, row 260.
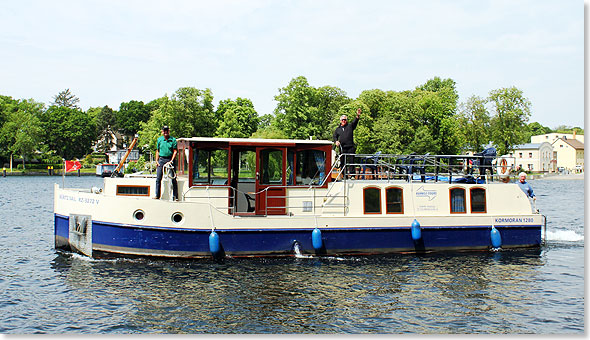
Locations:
column 503, row 167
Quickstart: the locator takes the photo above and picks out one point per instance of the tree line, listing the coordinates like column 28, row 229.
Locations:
column 426, row 119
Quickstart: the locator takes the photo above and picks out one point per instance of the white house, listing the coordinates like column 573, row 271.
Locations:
column 531, row 157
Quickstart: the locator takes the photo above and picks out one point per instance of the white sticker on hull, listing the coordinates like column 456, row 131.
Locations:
column 423, row 193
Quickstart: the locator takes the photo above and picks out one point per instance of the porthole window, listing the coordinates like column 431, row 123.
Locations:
column 457, row 200
column 478, row 200
column 138, row 215
column 177, row 217
column 372, row 200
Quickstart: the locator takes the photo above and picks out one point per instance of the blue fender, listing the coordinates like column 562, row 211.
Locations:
column 416, row 230
column 214, row 243
column 496, row 238
column 316, row 239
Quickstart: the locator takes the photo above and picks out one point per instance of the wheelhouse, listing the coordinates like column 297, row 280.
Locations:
column 256, row 172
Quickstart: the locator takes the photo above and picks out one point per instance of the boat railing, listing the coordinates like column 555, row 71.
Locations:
column 423, row 168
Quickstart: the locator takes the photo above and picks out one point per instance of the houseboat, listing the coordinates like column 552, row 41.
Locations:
column 272, row 197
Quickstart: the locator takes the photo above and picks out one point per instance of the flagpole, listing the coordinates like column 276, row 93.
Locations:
column 63, row 175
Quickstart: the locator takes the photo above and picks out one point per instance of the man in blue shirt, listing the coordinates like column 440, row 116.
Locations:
column 525, row 186
column 165, row 154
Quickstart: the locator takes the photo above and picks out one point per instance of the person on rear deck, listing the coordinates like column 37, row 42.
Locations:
column 165, row 154
column 525, row 186
column 344, row 138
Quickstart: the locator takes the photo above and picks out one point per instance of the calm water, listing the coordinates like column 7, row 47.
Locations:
column 44, row 291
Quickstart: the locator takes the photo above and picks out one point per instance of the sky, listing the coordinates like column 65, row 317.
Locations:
column 108, row 52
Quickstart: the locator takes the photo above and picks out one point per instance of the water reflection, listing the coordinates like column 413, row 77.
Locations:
column 390, row 294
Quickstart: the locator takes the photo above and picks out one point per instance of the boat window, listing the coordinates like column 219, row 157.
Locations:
column 372, row 200
column 457, row 200
column 210, row 166
column 290, row 167
column 478, row 200
column 133, row 190
column 310, row 167
column 394, row 200
column 271, row 166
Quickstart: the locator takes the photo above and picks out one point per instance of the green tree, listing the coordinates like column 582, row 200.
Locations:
column 66, row 99
column 238, row 118
column 130, row 115
column 22, row 130
column 535, row 129
column 8, row 105
column 188, row 112
column 68, row 131
column 105, row 123
column 474, row 121
column 511, row 111
column 304, row 111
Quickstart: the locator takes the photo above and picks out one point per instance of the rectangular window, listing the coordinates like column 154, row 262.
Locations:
column 530, row 155
column 133, row 190
column 310, row 167
column 210, row 166
column 457, row 200
column 478, row 200
column 520, row 155
column 372, row 200
column 394, row 200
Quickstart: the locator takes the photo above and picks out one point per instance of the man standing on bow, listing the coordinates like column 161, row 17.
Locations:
column 344, row 138
column 165, row 154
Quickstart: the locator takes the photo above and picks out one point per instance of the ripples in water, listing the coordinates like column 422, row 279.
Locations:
column 513, row 292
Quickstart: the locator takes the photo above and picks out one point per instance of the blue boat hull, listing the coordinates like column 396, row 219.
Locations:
column 118, row 239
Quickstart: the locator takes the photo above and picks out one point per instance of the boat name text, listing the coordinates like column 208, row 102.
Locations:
column 85, row 200
column 514, row 220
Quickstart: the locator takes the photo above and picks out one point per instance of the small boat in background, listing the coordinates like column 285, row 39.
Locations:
column 105, row 169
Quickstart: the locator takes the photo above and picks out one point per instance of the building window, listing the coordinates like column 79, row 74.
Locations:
column 478, row 200
column 530, row 155
column 520, row 155
column 394, row 198
column 372, row 200
column 457, row 200
column 530, row 166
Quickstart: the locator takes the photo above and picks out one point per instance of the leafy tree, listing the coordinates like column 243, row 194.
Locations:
column 66, row 99
column 568, row 129
column 7, row 107
column 294, row 109
column 238, row 118
column 22, row 130
column 304, row 111
column 105, row 124
column 535, row 129
column 474, row 121
column 68, row 131
column 511, row 111
column 189, row 112
column 265, row 121
column 130, row 115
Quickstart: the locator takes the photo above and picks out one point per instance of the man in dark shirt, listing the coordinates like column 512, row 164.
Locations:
column 165, row 154
column 344, row 138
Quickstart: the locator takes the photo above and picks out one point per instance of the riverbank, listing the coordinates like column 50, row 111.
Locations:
column 554, row 176
column 45, row 173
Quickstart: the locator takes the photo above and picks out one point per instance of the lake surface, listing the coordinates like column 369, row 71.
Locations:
column 514, row 292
